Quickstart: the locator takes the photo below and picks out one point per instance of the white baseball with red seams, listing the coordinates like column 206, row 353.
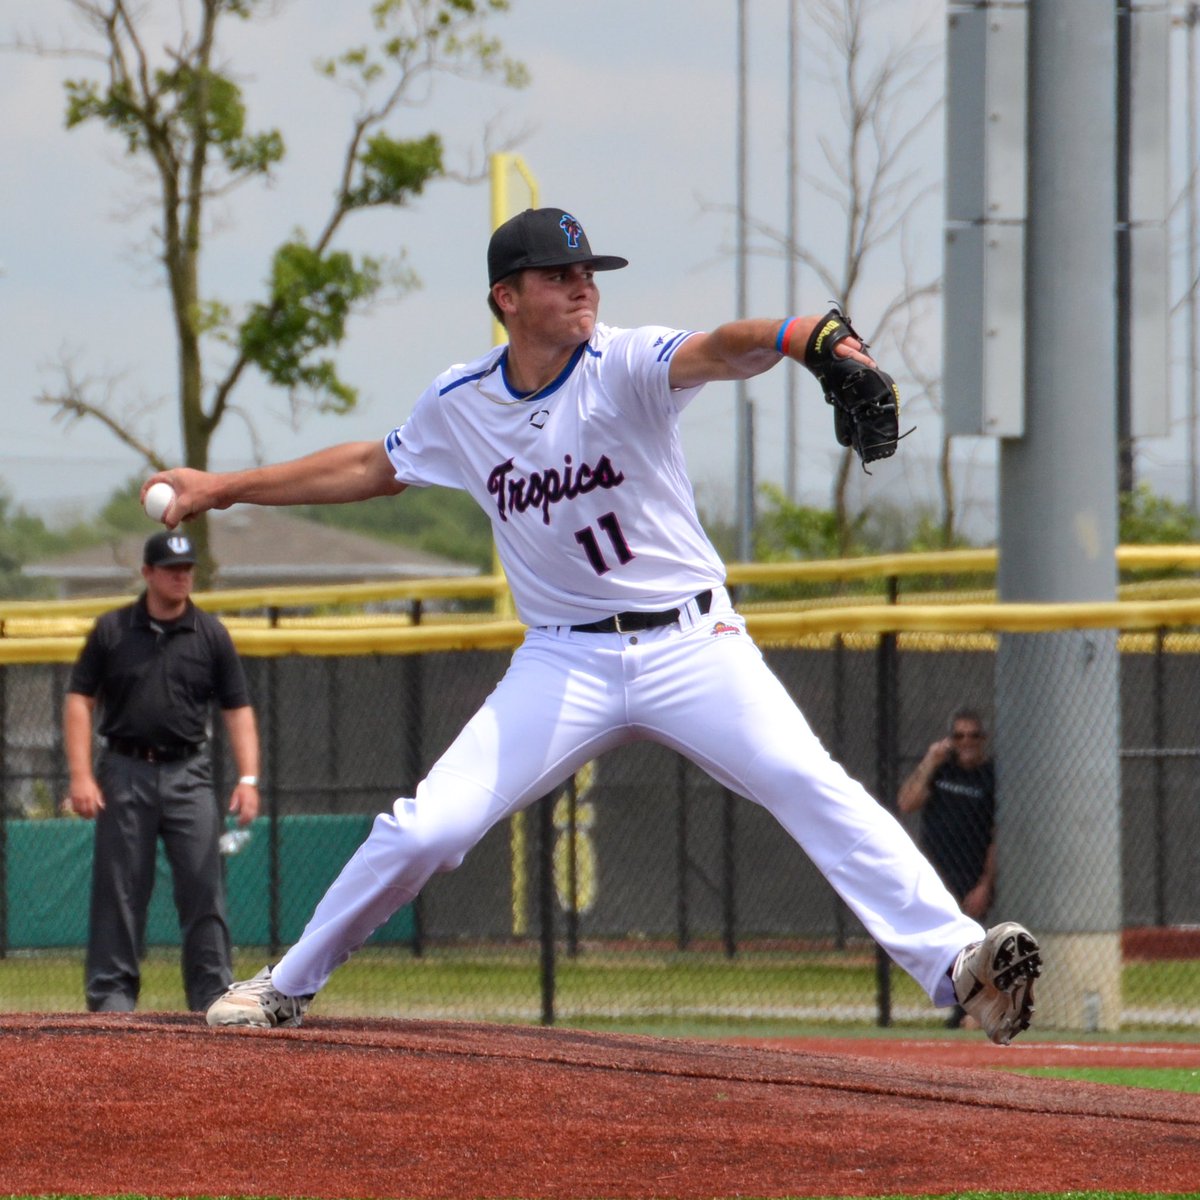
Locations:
column 585, row 484
column 158, row 499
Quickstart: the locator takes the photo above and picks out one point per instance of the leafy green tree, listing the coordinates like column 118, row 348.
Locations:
column 787, row 531
column 181, row 113
column 889, row 528
column 25, row 538
column 1148, row 519
column 878, row 191
column 437, row 520
column 122, row 513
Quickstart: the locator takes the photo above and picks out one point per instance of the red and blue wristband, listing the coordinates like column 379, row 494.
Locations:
column 784, row 336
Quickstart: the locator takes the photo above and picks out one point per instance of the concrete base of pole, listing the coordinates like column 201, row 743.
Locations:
column 1080, row 985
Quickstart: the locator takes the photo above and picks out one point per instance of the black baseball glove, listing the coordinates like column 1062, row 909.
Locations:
column 866, row 401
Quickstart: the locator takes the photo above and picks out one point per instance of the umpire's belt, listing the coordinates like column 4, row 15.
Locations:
column 154, row 754
column 631, row 622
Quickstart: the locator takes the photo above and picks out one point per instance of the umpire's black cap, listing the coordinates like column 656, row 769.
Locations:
column 543, row 237
column 168, row 548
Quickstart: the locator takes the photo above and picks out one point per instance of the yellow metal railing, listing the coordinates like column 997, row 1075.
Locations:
column 284, row 624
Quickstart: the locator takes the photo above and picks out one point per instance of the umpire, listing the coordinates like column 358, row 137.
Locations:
column 151, row 670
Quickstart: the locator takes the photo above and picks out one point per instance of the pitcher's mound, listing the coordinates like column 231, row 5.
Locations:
column 161, row 1104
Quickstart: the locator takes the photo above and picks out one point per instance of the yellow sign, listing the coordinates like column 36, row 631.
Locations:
column 575, row 868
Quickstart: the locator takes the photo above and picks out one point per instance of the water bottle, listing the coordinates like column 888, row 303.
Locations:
column 233, row 841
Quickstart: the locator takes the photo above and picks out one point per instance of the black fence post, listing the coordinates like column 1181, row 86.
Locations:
column 546, row 904
column 729, row 872
column 839, row 753
column 887, row 700
column 1160, row 789
column 5, row 792
column 572, row 931
column 414, row 766
column 59, row 679
column 728, row 847
column 333, row 709
column 683, row 934
column 274, row 761
column 728, row 859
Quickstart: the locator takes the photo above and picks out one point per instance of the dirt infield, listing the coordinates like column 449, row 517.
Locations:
column 162, row 1105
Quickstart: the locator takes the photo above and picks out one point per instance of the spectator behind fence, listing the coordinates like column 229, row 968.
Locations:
column 151, row 670
column 954, row 789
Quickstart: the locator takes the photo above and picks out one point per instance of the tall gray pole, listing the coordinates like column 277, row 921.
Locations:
column 1056, row 694
column 790, row 427
column 745, row 429
column 1191, row 18
column 1123, row 329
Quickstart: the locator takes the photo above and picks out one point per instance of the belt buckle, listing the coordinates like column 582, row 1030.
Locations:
column 617, row 622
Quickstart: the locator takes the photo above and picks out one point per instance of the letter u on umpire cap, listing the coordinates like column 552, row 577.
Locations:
column 543, row 237
column 168, row 548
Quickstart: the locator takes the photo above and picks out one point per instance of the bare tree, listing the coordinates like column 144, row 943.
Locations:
column 925, row 386
column 869, row 180
column 182, row 114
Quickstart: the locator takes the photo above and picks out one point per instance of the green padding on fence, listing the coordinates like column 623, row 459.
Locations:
column 49, row 871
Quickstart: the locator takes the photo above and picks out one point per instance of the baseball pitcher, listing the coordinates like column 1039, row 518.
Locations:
column 568, row 438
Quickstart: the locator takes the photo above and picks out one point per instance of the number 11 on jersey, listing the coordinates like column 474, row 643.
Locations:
column 586, row 537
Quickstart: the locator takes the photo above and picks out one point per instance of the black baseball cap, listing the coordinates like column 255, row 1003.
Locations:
column 168, row 548
column 543, row 237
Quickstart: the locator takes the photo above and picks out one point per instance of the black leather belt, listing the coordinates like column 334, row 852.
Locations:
column 631, row 622
column 154, row 754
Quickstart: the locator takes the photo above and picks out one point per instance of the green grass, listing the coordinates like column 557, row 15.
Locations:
column 503, row 984
column 1164, row 1079
column 1155, row 984
column 698, row 993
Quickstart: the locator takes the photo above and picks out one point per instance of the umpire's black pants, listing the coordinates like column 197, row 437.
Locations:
column 143, row 802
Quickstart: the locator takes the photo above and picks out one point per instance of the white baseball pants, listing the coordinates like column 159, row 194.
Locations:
column 699, row 686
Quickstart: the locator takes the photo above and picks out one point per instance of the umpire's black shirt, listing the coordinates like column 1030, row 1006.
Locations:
column 153, row 680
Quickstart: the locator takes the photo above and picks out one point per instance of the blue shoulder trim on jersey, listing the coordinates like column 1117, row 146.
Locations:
column 469, row 379
column 392, row 441
column 671, row 346
column 549, row 388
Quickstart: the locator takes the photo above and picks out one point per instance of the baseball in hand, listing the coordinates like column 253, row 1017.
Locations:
column 158, row 500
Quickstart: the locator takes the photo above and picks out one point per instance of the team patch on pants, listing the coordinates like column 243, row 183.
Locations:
column 723, row 628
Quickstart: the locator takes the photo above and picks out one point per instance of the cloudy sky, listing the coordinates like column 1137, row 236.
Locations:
column 629, row 122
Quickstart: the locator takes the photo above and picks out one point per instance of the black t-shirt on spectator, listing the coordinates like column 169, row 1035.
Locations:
column 957, row 823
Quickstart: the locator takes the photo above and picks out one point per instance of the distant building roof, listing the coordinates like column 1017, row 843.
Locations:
column 254, row 547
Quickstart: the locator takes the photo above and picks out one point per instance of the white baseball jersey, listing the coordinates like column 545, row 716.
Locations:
column 584, row 480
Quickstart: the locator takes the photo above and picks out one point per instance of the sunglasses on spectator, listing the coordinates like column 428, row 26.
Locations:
column 967, row 735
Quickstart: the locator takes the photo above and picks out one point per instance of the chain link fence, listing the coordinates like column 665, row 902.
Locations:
column 642, row 891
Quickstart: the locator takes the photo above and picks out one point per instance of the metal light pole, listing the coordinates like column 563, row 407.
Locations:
column 1058, row 815
column 1191, row 18
column 1124, row 249
column 744, row 417
column 790, row 425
